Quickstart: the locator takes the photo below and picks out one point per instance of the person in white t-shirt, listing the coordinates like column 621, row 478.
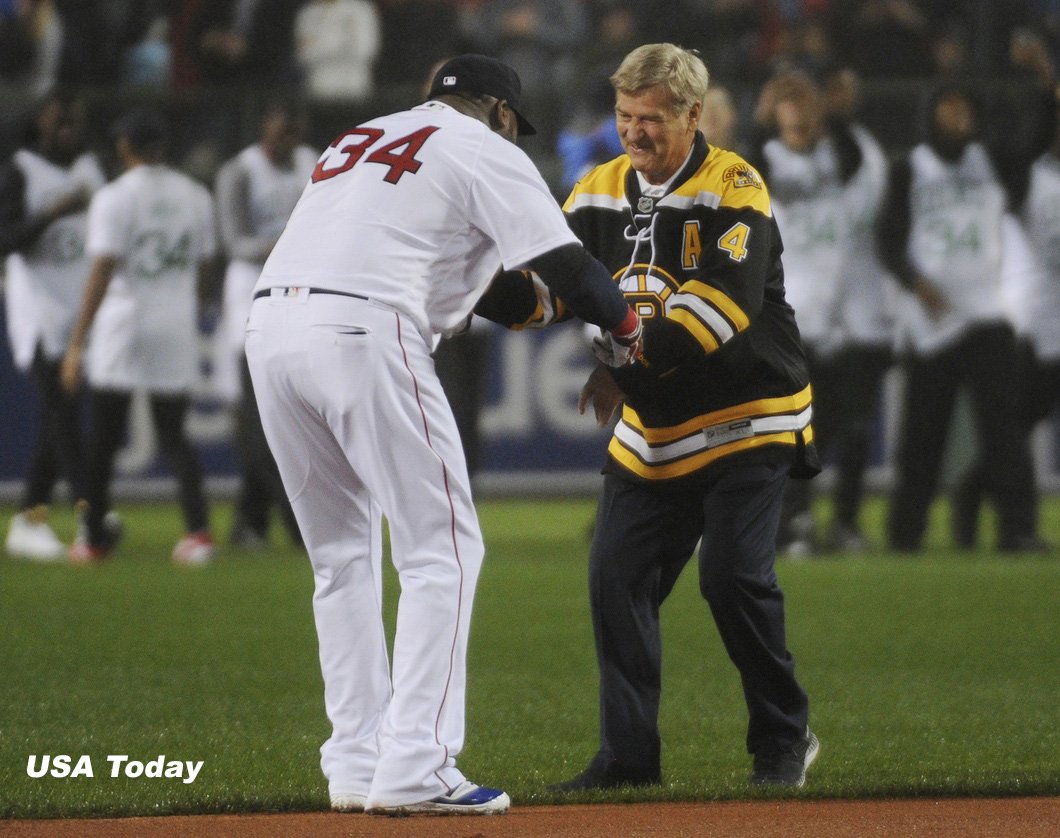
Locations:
column 866, row 319
column 150, row 235
column 255, row 192
column 1039, row 305
column 1030, row 280
column 336, row 45
column 405, row 223
column 44, row 192
column 813, row 165
column 940, row 233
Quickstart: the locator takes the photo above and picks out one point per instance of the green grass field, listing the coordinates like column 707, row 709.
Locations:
column 932, row 675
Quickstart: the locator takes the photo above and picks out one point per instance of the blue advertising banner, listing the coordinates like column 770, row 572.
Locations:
column 530, row 419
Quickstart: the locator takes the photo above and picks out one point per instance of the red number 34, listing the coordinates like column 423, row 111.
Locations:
column 399, row 156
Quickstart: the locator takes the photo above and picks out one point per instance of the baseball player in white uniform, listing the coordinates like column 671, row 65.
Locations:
column 406, row 220
column 44, row 193
column 255, row 192
column 150, row 233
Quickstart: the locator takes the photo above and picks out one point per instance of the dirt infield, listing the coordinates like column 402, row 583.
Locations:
column 990, row 818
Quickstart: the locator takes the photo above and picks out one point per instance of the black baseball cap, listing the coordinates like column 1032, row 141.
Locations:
column 485, row 76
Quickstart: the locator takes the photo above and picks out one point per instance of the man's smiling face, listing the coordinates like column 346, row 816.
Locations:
column 656, row 139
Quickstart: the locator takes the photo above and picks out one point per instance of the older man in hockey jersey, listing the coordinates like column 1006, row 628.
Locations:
column 717, row 414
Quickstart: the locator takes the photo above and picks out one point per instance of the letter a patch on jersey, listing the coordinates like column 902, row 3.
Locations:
column 692, row 246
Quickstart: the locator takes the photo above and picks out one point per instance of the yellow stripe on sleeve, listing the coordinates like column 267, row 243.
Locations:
column 695, row 327
column 720, row 300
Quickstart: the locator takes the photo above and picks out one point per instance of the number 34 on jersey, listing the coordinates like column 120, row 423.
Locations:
column 398, row 156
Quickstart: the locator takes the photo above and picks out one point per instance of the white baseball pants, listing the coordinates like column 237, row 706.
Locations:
column 360, row 428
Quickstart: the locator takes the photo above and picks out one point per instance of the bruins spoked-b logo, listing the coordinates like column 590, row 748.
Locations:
column 742, row 175
column 647, row 289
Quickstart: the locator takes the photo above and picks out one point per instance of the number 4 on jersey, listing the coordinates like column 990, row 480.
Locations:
column 351, row 151
column 734, row 241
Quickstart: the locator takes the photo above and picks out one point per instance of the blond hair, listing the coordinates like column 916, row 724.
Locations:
column 681, row 71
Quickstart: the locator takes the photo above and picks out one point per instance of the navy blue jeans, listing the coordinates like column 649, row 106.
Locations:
column 643, row 538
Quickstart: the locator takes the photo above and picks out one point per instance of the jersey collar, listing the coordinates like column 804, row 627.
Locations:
column 643, row 204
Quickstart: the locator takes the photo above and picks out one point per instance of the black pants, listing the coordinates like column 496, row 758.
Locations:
column 644, row 536
column 1039, row 387
column 860, row 370
column 261, row 488
column 110, row 419
column 846, row 392
column 57, row 450
column 985, row 360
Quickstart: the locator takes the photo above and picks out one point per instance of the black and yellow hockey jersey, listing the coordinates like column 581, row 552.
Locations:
column 723, row 374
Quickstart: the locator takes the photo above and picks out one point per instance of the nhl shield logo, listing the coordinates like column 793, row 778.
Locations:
column 645, row 204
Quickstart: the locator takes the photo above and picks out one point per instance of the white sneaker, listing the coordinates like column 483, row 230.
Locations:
column 849, row 540
column 347, row 802
column 196, row 548
column 30, row 537
column 798, row 549
column 465, row 799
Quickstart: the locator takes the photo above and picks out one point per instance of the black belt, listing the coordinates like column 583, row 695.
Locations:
column 267, row 292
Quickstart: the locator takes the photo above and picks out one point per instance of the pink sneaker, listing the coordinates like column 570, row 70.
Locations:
column 83, row 553
column 196, row 548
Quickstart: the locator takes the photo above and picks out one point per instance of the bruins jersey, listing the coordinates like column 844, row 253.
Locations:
column 723, row 374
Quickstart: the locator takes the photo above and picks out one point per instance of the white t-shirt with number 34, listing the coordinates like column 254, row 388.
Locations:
column 159, row 225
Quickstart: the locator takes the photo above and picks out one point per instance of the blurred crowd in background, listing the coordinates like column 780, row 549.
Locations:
column 345, row 48
column 211, row 61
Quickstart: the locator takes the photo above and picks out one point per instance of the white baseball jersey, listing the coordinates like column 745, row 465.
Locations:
column 954, row 243
column 254, row 199
column 45, row 282
column 405, row 221
column 809, row 205
column 159, row 225
column 417, row 210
